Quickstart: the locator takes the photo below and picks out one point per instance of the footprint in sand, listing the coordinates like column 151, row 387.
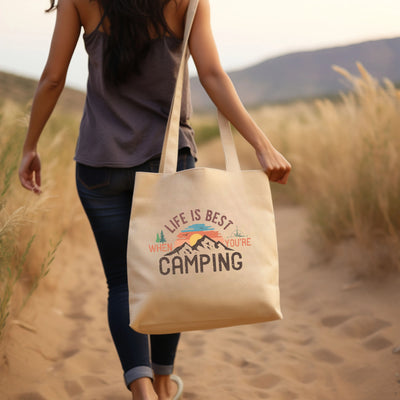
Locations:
column 377, row 343
column 327, row 356
column 263, row 395
column 73, row 388
column 227, row 357
column 265, row 381
column 249, row 368
column 271, row 338
column 69, row 353
column 362, row 326
column 301, row 375
column 304, row 341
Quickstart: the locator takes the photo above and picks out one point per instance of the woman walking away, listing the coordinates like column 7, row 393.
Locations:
column 134, row 49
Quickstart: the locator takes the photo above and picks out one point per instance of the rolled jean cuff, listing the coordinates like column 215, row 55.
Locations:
column 162, row 369
column 136, row 373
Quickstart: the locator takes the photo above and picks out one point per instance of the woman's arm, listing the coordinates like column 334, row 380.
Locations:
column 51, row 84
column 222, row 92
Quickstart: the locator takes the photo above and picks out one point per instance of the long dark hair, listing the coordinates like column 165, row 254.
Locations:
column 133, row 24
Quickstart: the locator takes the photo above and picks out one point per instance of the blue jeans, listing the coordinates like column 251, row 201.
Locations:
column 106, row 196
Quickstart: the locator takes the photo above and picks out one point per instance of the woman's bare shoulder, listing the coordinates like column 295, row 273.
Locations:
column 89, row 13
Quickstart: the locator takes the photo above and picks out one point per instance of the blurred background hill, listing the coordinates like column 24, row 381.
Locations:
column 308, row 74
column 20, row 90
column 288, row 78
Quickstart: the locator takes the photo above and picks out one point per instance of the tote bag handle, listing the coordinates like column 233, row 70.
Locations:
column 169, row 155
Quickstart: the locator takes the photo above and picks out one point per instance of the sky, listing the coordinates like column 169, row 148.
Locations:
column 246, row 32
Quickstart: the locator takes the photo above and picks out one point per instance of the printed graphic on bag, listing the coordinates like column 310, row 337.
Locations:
column 199, row 241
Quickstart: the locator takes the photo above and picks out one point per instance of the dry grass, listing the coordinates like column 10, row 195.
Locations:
column 31, row 226
column 345, row 159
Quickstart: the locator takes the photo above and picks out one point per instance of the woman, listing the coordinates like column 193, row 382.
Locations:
column 134, row 51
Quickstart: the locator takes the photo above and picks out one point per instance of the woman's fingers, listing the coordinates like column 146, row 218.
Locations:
column 38, row 179
column 29, row 183
column 274, row 164
column 283, row 178
column 279, row 174
column 276, row 167
column 29, row 172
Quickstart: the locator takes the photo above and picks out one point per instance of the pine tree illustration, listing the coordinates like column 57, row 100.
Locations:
column 158, row 238
column 162, row 238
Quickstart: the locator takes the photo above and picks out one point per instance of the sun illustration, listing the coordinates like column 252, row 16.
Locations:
column 193, row 233
column 194, row 238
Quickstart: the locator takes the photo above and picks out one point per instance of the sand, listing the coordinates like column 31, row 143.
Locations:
column 339, row 338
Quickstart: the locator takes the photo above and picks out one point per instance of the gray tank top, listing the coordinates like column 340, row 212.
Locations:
column 125, row 126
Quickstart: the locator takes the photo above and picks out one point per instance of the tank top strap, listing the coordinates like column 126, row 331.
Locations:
column 101, row 22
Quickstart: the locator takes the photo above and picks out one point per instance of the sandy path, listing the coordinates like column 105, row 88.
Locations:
column 336, row 341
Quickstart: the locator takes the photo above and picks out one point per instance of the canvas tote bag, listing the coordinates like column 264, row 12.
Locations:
column 202, row 249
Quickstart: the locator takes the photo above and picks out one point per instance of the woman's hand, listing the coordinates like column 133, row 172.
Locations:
column 29, row 171
column 274, row 164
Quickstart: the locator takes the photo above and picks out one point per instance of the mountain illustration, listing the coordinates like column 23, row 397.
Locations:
column 203, row 244
column 206, row 243
column 184, row 250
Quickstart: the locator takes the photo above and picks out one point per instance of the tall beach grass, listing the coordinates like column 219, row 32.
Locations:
column 346, row 171
column 31, row 227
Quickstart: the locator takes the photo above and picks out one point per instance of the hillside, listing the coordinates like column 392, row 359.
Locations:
column 21, row 91
column 308, row 74
column 286, row 78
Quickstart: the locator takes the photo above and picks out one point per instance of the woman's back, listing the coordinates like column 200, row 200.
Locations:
column 135, row 110
column 124, row 125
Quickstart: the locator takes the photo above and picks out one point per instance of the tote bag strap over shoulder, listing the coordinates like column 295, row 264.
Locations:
column 169, row 154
